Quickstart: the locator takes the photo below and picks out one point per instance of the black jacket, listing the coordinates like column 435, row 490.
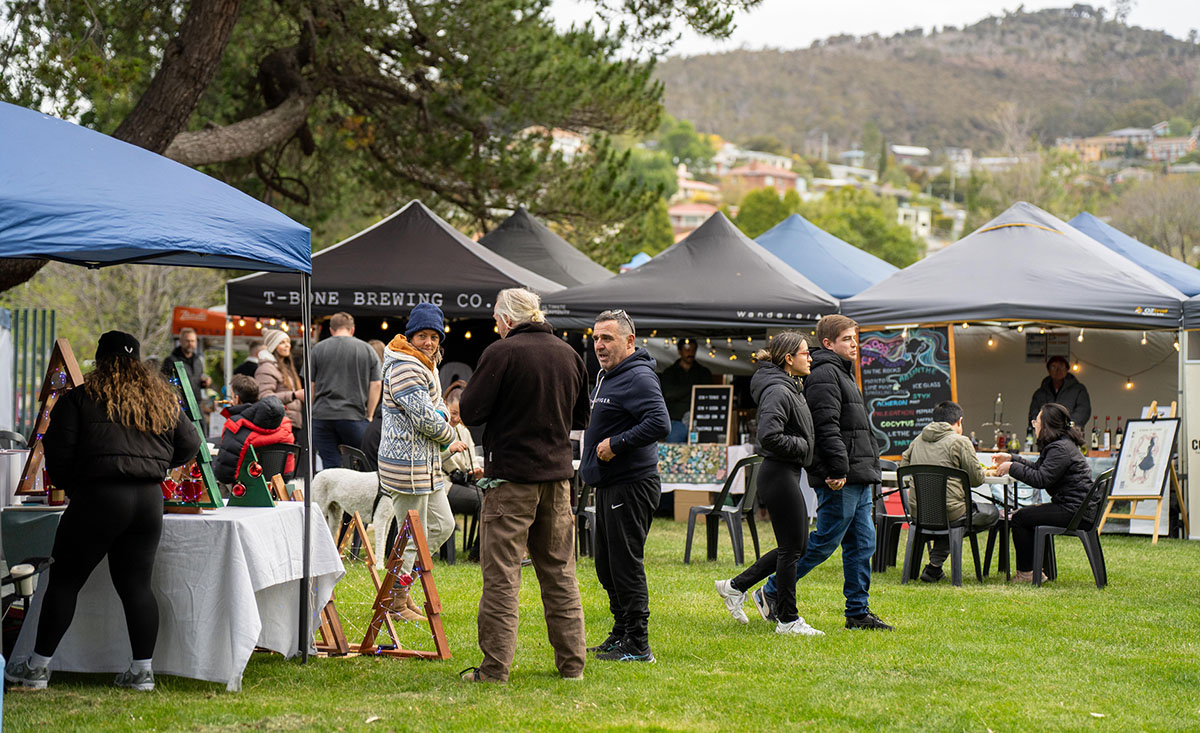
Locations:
column 628, row 409
column 257, row 423
column 83, row 447
column 845, row 447
column 677, row 384
column 193, row 365
column 1072, row 395
column 1062, row 471
column 531, row 390
column 785, row 426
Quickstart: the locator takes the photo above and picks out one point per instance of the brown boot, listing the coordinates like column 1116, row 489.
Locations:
column 406, row 609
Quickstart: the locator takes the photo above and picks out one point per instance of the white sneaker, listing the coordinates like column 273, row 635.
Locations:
column 734, row 600
column 799, row 626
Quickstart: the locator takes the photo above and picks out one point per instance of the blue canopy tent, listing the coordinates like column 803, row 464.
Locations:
column 78, row 196
column 1167, row 268
column 840, row 268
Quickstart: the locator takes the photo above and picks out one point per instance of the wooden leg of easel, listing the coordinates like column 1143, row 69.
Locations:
column 1157, row 518
column 1183, row 510
column 1107, row 510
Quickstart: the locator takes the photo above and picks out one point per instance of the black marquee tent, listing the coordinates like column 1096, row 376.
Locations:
column 716, row 279
column 526, row 241
column 410, row 257
column 1024, row 265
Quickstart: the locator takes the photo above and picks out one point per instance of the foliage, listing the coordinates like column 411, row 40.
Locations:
column 868, row 222
column 1179, row 127
column 1163, row 213
column 760, row 210
column 1054, row 180
column 960, row 659
column 765, row 144
column 651, row 233
column 650, row 170
column 682, row 144
column 1073, row 73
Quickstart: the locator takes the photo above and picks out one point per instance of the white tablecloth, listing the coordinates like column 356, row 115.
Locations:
column 226, row 581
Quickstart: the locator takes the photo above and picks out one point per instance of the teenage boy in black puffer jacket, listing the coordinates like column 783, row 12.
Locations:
column 845, row 465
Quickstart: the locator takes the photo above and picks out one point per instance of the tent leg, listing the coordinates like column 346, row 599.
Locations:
column 228, row 346
column 306, row 579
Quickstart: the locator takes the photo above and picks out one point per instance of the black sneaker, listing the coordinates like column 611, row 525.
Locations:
column 932, row 574
column 607, row 645
column 765, row 603
column 868, row 621
column 624, row 651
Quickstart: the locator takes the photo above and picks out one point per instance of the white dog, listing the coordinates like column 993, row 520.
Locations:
column 337, row 490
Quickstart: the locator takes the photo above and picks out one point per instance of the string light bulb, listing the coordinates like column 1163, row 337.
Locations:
column 446, row 328
column 1079, row 338
column 1129, row 383
column 1075, row 367
column 991, row 342
column 241, row 322
column 1020, row 329
column 467, row 335
column 384, row 325
column 271, row 322
column 229, row 325
column 284, row 326
column 1176, row 344
column 258, row 325
column 966, row 325
column 1143, row 338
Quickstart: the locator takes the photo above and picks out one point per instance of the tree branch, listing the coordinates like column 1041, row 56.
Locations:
column 241, row 139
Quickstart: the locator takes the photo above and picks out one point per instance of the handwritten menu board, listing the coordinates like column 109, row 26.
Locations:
column 712, row 413
column 903, row 375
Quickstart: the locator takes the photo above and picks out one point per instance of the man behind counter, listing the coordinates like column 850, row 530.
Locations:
column 677, row 381
column 1062, row 387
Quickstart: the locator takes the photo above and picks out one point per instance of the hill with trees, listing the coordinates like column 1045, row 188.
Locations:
column 991, row 86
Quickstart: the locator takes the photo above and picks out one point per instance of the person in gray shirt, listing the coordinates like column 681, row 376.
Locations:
column 347, row 381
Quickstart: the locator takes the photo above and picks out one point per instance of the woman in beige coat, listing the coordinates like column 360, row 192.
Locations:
column 276, row 375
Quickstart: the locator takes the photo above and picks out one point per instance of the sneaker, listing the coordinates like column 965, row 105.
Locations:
column 765, row 603
column 931, row 574
column 607, row 645
column 624, row 651
column 1026, row 576
column 734, row 600
column 799, row 627
column 867, row 621
column 21, row 675
column 143, row 681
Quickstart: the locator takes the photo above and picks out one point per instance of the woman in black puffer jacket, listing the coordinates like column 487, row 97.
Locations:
column 1061, row 470
column 785, row 440
column 109, row 444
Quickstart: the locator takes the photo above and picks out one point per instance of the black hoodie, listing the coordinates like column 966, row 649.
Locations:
column 845, row 447
column 785, row 426
column 628, row 409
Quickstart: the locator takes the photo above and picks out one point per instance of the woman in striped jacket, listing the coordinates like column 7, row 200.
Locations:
column 415, row 429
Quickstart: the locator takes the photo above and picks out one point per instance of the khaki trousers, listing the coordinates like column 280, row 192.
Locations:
column 538, row 517
column 436, row 518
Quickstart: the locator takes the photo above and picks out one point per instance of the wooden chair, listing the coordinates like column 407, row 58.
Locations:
column 733, row 516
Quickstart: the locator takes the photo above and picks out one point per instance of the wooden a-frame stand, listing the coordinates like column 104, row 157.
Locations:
column 211, row 497
column 62, row 374
column 410, row 531
column 1158, row 499
column 331, row 638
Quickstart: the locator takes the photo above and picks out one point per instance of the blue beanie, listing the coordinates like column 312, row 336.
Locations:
column 425, row 316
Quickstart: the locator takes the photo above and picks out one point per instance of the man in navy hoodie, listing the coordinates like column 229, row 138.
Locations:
column 620, row 459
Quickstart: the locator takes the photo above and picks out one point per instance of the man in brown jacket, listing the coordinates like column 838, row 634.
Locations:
column 530, row 389
column 942, row 443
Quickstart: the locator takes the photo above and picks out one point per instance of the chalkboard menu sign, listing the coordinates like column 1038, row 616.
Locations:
column 712, row 413
column 904, row 374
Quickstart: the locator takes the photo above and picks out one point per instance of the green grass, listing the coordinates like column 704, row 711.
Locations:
column 996, row 657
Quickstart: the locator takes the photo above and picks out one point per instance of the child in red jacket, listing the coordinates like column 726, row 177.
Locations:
column 249, row 421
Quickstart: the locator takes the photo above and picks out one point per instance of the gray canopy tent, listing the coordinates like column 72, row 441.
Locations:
column 529, row 243
column 716, row 280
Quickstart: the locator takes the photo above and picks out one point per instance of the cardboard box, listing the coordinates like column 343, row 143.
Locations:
column 686, row 499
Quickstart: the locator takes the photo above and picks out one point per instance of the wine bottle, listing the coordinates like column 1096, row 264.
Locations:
column 1120, row 437
column 974, row 442
column 1107, row 439
column 1095, row 442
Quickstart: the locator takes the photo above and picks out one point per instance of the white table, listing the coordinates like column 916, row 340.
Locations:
column 226, row 581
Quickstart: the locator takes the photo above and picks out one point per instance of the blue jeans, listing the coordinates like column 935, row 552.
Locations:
column 329, row 434
column 843, row 517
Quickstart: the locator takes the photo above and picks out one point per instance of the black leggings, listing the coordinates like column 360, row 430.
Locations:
column 1041, row 515
column 779, row 491
column 123, row 522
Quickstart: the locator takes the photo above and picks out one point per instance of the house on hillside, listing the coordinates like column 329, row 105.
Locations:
column 853, row 158
column 1130, row 174
column 852, row 173
column 1093, row 149
column 1134, row 135
column 1171, row 149
column 731, row 156
column 689, row 189
column 686, row 217
column 910, row 154
column 759, row 175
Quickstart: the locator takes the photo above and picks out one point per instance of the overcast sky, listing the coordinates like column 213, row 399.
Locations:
column 797, row 23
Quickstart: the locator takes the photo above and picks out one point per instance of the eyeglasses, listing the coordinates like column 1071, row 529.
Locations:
column 619, row 316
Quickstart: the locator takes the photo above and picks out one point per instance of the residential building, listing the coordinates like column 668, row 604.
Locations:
column 910, row 154
column 759, row 175
column 686, row 217
column 918, row 219
column 731, row 156
column 852, row 173
column 853, row 158
column 1171, row 149
column 689, row 189
column 1092, row 149
column 1134, row 135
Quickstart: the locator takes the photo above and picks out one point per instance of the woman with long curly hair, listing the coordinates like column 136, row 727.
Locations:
column 109, row 444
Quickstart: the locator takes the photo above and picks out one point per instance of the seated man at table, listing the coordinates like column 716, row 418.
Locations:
column 249, row 421
column 942, row 443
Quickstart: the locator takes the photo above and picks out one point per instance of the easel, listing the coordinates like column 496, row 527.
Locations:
column 1156, row 498
column 385, row 599
column 62, row 374
column 331, row 638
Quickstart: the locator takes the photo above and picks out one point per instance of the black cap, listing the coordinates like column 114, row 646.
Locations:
column 118, row 343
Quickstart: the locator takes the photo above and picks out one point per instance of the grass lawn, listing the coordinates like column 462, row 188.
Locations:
column 998, row 657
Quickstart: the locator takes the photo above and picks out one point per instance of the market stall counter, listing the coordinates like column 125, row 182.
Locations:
column 226, row 581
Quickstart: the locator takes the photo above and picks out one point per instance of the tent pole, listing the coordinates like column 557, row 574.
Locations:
column 228, row 346
column 1184, row 444
column 305, row 580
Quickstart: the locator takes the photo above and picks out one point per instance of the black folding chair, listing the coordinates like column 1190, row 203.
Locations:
column 1043, row 537
column 732, row 516
column 273, row 459
column 930, row 518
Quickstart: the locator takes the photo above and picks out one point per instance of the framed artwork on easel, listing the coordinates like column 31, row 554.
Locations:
column 1143, row 470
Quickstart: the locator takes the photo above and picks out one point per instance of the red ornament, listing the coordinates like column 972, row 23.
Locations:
column 405, row 580
column 238, row 489
column 196, row 472
column 167, row 490
column 254, row 469
column 191, row 491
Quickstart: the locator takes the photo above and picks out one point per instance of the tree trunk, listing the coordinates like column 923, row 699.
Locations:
column 241, row 139
column 189, row 63
column 13, row 272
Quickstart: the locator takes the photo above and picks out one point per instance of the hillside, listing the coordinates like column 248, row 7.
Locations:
column 1069, row 72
